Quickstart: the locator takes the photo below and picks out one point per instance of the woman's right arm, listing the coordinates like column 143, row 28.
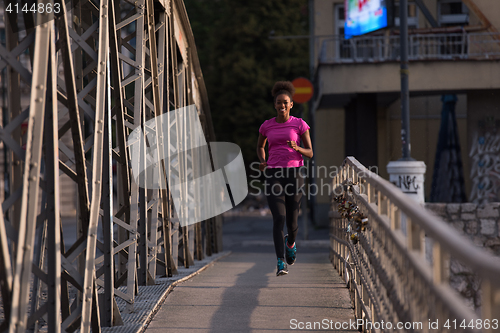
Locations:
column 261, row 151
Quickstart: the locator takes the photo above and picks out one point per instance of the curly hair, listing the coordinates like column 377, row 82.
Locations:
column 283, row 87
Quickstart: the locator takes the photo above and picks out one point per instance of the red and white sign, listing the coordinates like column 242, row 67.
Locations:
column 303, row 90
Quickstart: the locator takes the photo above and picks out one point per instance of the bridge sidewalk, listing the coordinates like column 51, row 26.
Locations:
column 241, row 293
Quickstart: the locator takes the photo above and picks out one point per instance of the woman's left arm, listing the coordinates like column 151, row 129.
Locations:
column 307, row 150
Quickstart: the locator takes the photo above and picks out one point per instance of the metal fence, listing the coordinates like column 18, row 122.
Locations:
column 337, row 49
column 93, row 80
column 395, row 257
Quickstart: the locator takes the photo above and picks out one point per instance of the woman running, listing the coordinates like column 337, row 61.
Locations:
column 282, row 176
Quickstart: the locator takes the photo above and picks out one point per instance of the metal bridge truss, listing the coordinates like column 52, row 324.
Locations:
column 398, row 270
column 93, row 74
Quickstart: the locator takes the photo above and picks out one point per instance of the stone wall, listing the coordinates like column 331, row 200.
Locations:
column 481, row 224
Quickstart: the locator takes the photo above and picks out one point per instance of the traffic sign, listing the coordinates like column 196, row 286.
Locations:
column 303, row 90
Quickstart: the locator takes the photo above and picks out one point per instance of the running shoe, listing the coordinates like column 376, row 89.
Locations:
column 290, row 252
column 281, row 268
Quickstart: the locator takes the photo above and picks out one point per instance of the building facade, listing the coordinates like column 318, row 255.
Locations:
column 454, row 49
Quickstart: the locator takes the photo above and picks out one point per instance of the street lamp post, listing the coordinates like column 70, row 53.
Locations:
column 405, row 91
column 406, row 173
column 312, row 60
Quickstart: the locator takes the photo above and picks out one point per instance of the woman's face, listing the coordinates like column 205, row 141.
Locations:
column 283, row 105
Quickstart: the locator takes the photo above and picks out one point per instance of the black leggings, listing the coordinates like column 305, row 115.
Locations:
column 283, row 196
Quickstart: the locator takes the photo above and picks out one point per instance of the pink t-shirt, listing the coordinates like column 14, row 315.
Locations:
column 280, row 154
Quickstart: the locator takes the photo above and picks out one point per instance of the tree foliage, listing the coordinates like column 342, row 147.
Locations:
column 240, row 63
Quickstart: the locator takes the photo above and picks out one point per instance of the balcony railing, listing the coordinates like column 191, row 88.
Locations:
column 450, row 46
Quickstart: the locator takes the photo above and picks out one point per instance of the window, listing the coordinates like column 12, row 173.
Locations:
column 412, row 15
column 452, row 13
column 342, row 49
column 339, row 19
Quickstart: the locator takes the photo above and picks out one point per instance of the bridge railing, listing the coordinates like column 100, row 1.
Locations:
column 396, row 264
column 73, row 92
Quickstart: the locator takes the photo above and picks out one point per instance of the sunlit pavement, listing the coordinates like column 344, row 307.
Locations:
column 241, row 293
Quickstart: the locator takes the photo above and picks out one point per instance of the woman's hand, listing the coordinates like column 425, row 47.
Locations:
column 307, row 149
column 261, row 152
column 293, row 145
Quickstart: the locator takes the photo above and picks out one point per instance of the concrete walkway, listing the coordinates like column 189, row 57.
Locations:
column 241, row 293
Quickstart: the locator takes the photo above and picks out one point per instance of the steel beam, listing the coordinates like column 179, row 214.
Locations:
column 427, row 13
column 5, row 272
column 72, row 105
column 123, row 174
column 89, row 286
column 14, row 108
column 82, row 97
column 53, row 197
column 31, row 178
